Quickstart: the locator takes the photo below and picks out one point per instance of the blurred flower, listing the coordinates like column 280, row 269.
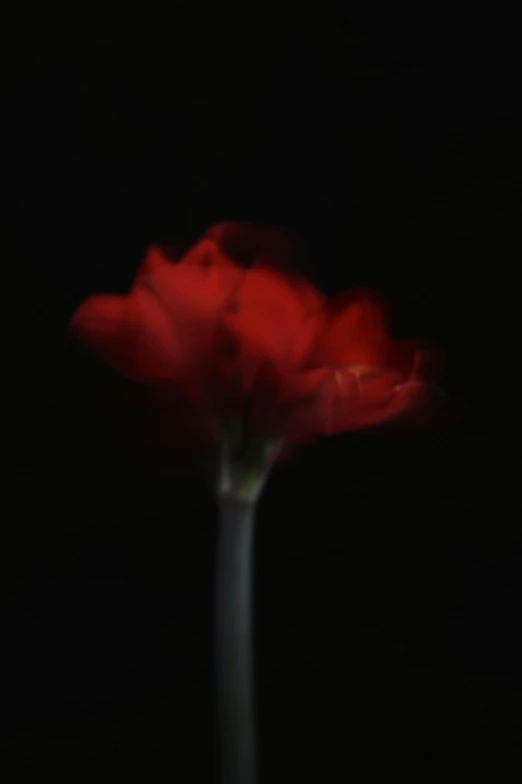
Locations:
column 247, row 341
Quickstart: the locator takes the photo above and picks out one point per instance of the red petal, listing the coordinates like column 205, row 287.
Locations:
column 164, row 330
column 207, row 254
column 334, row 401
column 248, row 243
column 192, row 292
column 195, row 297
column 356, row 333
column 153, row 261
column 275, row 317
column 132, row 334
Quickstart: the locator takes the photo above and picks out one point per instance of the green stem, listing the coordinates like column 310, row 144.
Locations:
column 234, row 650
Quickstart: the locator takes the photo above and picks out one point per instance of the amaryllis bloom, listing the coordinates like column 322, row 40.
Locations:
column 266, row 362
column 248, row 341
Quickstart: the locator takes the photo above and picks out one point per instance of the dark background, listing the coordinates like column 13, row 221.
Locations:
column 388, row 567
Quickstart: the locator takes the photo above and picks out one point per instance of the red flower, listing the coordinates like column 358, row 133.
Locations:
column 257, row 343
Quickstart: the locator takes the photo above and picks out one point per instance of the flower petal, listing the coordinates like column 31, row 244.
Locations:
column 248, row 243
column 336, row 401
column 163, row 331
column 153, row 261
column 356, row 333
column 275, row 317
column 207, row 254
column 194, row 293
column 133, row 334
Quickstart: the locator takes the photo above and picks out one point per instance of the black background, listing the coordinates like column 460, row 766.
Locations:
column 388, row 567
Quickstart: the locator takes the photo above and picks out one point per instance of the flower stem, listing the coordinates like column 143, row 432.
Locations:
column 234, row 651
